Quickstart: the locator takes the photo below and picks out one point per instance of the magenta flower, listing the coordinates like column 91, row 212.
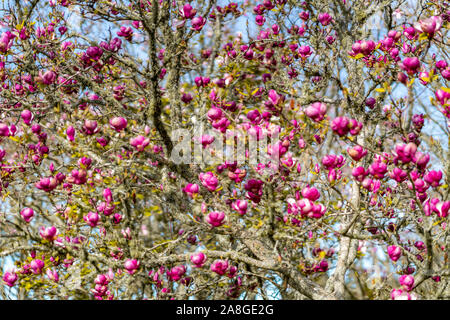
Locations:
column 198, row 259
column 10, row 278
column 240, row 206
column 52, row 275
column 176, row 273
column 254, row 190
column 92, row 219
column 188, row 12
column 378, row 169
column 340, row 126
column 202, row 81
column 215, row 218
column 70, row 132
column 398, row 175
column 405, row 152
column 48, row 233
column 407, row 281
column 357, row 152
column 4, row 130
column 220, row 267
column 131, row 266
column 304, row 15
column 410, row 65
column 198, row 23
column 48, row 77
column 47, row 184
column 139, row 142
column 209, row 180
column 394, row 253
column 359, row 173
column 433, row 178
column 94, row 53
column 126, row 32
column 310, row 193
column 316, row 111
column 191, row 189
column 443, row 97
column 442, row 208
column 27, row 116
column 90, row 127
column 260, row 20
column 37, row 265
column 325, row 18
column 430, row 25
column 27, row 214
column 118, row 123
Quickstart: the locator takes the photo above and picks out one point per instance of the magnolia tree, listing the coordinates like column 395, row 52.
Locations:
column 173, row 149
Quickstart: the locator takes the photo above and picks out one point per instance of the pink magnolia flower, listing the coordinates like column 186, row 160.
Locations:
column 357, row 152
column 405, row 152
column 10, row 278
column 4, row 130
column 48, row 77
column 70, row 133
column 430, row 25
column 433, row 178
column 396, row 294
column 198, row 259
column 90, row 127
column 410, row 65
column 398, row 175
column 421, row 160
column 209, row 180
column 191, row 189
column 316, row 111
column 52, row 275
column 47, row 184
column 331, row 161
column 220, row 267
column 176, row 273
column 407, row 281
column 27, row 214
column 304, row 15
column 27, row 116
column 48, row 233
column 37, row 265
column 340, row 126
column 254, row 189
column 304, row 51
column 78, row 177
column 240, row 206
column 125, row 32
column 118, row 123
column 378, row 169
column 324, row 18
column 442, row 208
column 6, row 41
column 311, row 193
column 92, row 219
column 215, row 218
column 394, row 253
column 206, row 140
column 198, row 23
column 140, row 142
column 359, row 173
column 131, row 266
column 188, row 12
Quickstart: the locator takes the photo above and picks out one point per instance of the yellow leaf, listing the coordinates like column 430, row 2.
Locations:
column 358, row 56
column 380, row 90
column 446, row 89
